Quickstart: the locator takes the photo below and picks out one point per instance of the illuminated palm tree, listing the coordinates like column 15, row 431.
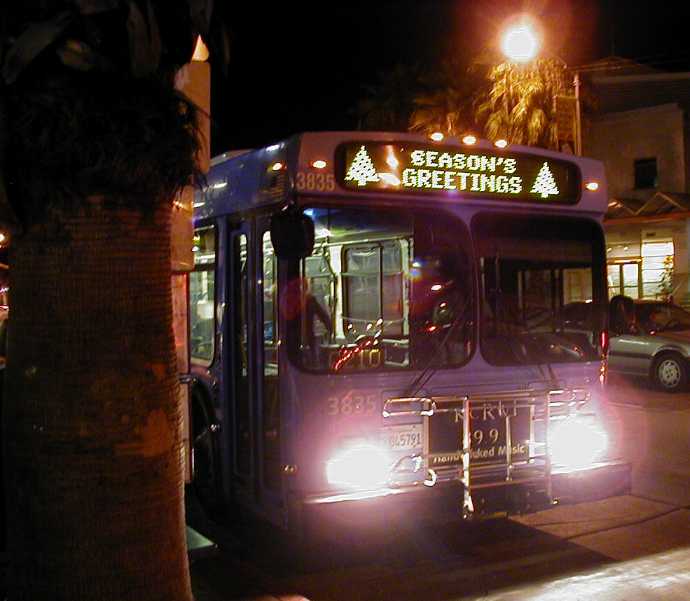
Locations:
column 519, row 103
column 96, row 143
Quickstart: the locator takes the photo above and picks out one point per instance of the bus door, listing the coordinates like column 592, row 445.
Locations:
column 253, row 365
column 267, row 374
column 237, row 365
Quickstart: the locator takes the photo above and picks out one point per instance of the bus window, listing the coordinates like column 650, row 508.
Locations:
column 270, row 404
column 372, row 288
column 241, row 399
column 202, row 296
column 316, row 329
column 321, row 280
column 577, row 285
column 534, row 273
column 383, row 289
column 268, row 283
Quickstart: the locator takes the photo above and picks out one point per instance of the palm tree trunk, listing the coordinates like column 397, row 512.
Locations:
column 91, row 418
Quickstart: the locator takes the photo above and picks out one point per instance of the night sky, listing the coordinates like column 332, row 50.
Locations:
column 302, row 65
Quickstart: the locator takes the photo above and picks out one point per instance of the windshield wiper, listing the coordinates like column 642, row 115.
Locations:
column 429, row 370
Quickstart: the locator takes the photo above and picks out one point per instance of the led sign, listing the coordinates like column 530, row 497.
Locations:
column 450, row 170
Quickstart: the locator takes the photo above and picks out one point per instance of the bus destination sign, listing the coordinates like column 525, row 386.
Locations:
column 402, row 167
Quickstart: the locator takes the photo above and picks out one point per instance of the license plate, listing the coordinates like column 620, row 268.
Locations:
column 403, row 438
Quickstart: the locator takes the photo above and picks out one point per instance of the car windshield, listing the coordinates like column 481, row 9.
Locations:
column 662, row 317
column 541, row 289
column 383, row 289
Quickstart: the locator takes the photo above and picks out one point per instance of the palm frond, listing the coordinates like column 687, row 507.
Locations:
column 518, row 104
column 32, row 42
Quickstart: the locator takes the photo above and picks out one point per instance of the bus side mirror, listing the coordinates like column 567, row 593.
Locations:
column 292, row 234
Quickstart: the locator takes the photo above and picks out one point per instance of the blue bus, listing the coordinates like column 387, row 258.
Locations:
column 379, row 322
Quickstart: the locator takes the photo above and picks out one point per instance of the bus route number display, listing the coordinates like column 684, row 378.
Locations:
column 411, row 168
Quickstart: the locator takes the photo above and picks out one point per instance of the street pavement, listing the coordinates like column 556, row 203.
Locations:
column 655, row 437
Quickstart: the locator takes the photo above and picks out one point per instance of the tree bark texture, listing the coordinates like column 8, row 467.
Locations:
column 94, row 472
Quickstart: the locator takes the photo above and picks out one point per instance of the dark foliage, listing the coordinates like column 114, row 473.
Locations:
column 89, row 104
column 137, row 37
column 388, row 104
column 77, row 134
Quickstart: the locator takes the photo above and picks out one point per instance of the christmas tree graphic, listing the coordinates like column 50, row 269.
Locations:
column 545, row 185
column 362, row 169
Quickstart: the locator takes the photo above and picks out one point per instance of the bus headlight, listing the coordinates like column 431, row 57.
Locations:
column 577, row 442
column 362, row 466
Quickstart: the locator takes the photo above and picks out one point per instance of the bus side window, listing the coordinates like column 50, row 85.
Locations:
column 202, row 296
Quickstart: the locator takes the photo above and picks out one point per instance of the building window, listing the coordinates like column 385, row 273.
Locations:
column 648, row 275
column 645, row 173
column 657, row 268
column 624, row 278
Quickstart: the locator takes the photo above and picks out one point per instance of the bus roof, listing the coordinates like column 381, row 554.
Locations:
column 352, row 165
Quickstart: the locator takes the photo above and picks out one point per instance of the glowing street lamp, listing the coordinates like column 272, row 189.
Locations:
column 520, row 42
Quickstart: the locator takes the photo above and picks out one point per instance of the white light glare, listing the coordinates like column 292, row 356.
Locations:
column 577, row 442
column 390, row 179
column 392, row 162
column 520, row 43
column 361, row 466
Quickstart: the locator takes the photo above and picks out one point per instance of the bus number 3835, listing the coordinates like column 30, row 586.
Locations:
column 352, row 405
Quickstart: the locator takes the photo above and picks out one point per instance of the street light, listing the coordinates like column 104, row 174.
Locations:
column 520, row 43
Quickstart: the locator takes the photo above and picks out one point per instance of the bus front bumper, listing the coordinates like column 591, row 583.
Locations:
column 446, row 500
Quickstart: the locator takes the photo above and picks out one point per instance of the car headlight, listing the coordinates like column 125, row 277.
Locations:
column 361, row 466
column 577, row 441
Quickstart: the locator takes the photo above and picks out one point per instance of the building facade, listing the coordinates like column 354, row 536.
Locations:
column 640, row 129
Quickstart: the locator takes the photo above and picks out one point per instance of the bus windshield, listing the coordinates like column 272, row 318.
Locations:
column 383, row 289
column 536, row 274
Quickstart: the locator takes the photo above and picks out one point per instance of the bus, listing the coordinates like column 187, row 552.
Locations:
column 381, row 324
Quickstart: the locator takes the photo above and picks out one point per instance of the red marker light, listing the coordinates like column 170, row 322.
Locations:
column 604, row 341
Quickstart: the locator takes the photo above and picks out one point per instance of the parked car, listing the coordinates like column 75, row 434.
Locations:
column 653, row 343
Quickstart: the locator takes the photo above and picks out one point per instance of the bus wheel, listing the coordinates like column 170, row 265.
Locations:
column 670, row 372
column 204, row 453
